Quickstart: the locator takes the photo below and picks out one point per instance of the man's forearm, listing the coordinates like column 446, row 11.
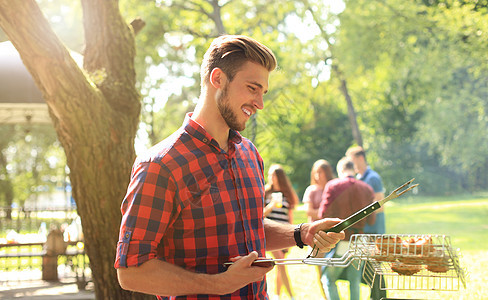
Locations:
column 157, row 277
column 278, row 235
column 281, row 235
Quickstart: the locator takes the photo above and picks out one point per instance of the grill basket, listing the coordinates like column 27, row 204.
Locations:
column 409, row 262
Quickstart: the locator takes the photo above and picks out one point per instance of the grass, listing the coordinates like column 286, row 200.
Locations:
column 462, row 218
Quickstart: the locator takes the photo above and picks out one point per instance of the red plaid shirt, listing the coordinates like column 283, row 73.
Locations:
column 191, row 204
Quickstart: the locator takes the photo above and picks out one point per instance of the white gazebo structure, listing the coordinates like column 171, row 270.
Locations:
column 20, row 99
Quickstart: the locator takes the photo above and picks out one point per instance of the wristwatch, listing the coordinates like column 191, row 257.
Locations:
column 298, row 236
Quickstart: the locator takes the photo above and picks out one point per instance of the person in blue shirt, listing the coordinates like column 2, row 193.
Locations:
column 364, row 172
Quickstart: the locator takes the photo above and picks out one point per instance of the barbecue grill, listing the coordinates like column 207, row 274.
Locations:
column 402, row 261
column 434, row 265
column 405, row 262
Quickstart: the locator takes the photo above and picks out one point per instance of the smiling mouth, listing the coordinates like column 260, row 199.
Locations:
column 247, row 111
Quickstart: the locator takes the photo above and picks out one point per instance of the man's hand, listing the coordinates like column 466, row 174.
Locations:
column 314, row 234
column 158, row 277
column 241, row 273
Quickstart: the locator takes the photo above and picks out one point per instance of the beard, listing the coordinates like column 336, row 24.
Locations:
column 229, row 116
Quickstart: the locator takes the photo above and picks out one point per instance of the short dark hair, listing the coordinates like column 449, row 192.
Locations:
column 345, row 164
column 230, row 52
column 356, row 151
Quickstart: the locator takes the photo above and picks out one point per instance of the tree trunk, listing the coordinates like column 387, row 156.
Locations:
column 351, row 113
column 6, row 186
column 95, row 114
column 216, row 16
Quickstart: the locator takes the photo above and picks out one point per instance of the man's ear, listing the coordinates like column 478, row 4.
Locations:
column 217, row 78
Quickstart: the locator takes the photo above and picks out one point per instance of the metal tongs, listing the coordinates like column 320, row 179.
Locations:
column 363, row 213
column 353, row 219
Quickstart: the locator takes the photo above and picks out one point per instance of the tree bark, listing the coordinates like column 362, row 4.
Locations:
column 95, row 113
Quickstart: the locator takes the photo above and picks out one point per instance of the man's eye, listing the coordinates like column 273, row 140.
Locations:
column 252, row 88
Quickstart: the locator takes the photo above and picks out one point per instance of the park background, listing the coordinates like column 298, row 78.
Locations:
column 405, row 79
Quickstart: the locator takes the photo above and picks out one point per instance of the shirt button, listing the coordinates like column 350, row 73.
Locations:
column 205, row 140
column 127, row 235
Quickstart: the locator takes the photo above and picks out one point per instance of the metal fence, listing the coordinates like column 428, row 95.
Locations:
column 29, row 220
column 42, row 244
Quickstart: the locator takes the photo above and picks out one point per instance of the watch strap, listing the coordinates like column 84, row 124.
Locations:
column 298, row 235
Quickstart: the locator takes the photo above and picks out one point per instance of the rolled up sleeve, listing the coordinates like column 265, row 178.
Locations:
column 147, row 209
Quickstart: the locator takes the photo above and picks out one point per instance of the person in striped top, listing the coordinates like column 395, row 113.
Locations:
column 280, row 199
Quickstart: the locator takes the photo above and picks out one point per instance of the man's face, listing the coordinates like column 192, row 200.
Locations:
column 239, row 99
column 356, row 160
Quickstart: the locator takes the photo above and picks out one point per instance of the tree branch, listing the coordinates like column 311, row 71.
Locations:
column 110, row 53
column 197, row 8
column 137, row 24
column 217, row 18
column 112, row 37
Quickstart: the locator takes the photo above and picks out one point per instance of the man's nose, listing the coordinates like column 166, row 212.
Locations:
column 259, row 102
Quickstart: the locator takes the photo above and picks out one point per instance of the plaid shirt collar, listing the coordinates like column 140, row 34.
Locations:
column 197, row 131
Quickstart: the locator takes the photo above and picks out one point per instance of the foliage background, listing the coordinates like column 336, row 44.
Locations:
column 416, row 71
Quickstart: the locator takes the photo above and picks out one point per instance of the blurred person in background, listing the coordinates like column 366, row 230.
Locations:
column 280, row 200
column 368, row 175
column 343, row 197
column 320, row 174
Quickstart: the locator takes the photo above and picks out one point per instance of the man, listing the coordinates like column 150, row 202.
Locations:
column 366, row 174
column 342, row 197
column 196, row 199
